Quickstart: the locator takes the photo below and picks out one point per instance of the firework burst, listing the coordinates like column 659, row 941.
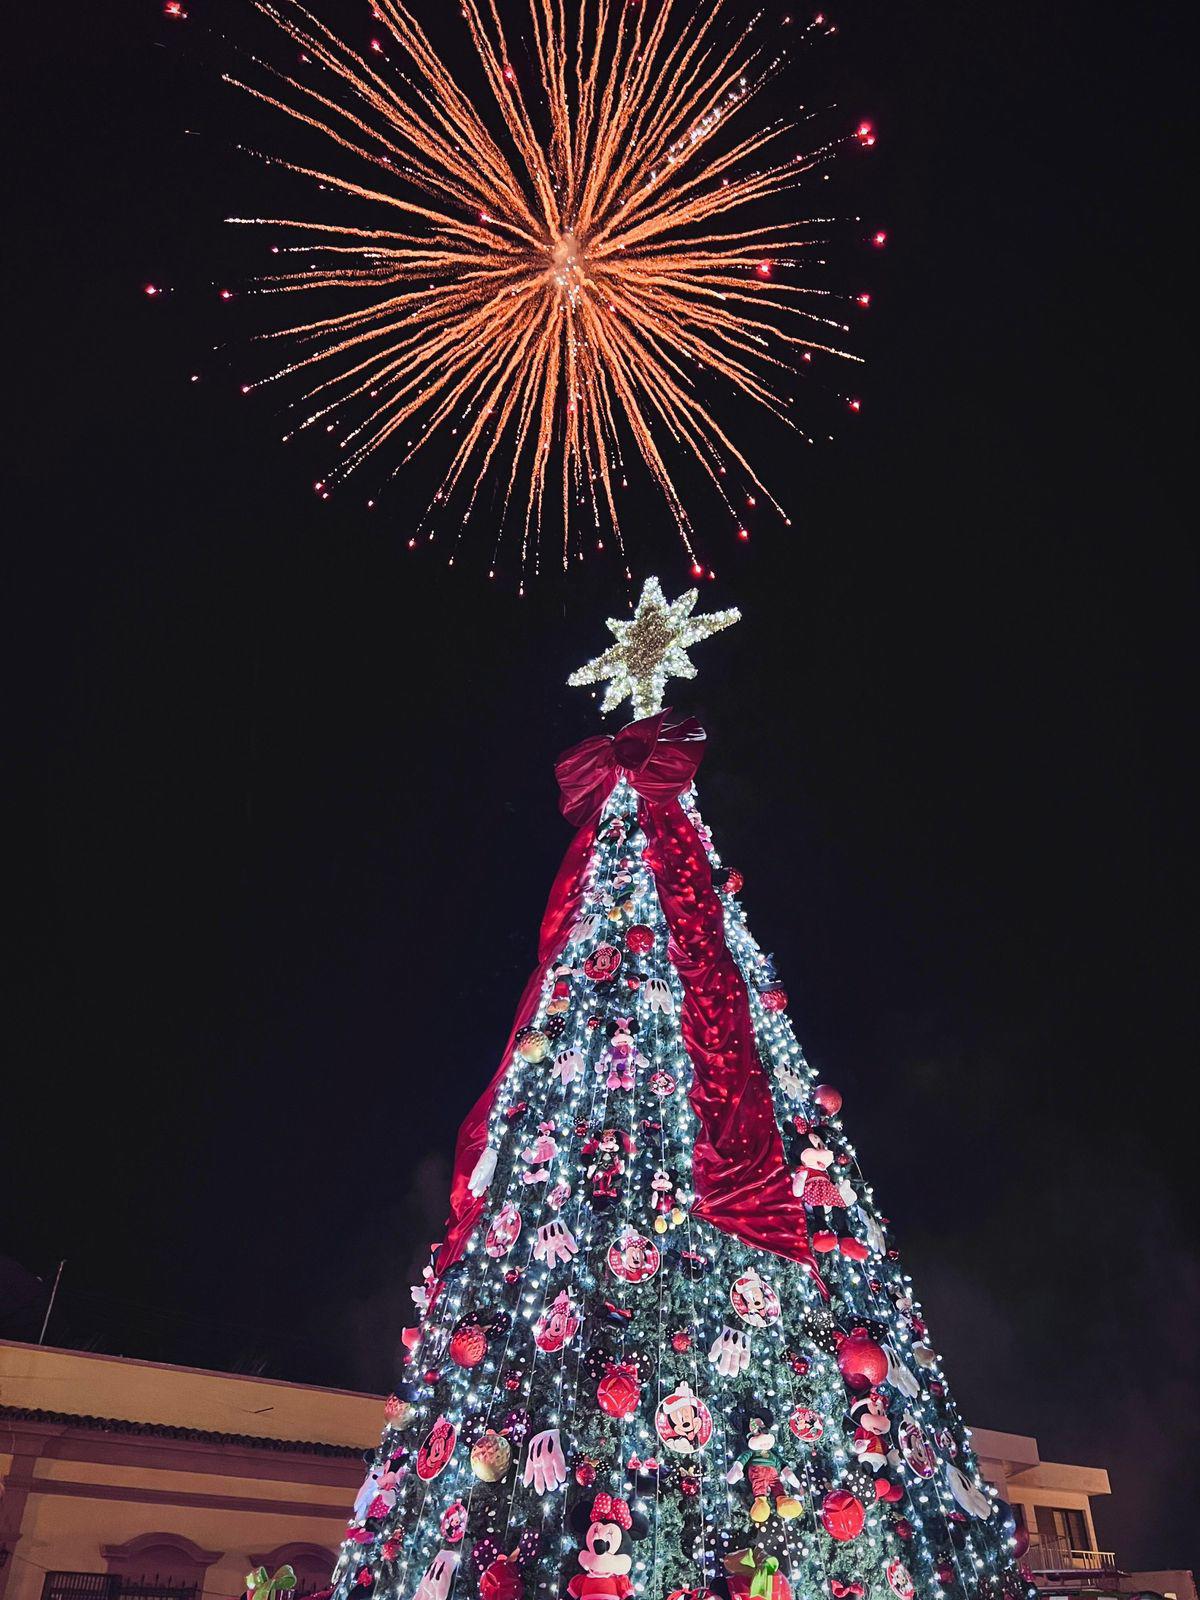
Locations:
column 544, row 289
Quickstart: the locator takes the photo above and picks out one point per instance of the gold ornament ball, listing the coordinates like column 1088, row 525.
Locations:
column 533, row 1046
column 491, row 1457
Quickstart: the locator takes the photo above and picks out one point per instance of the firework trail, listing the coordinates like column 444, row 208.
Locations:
column 545, row 290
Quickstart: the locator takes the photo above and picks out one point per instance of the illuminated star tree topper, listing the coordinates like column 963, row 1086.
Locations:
column 651, row 648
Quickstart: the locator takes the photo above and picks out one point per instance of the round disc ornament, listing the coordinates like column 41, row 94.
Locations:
column 504, row 1231
column 632, row 1257
column 915, row 1447
column 640, row 939
column 435, row 1452
column 754, row 1300
column 454, row 1522
column 900, row 1580
column 683, row 1422
column 806, row 1424
column 661, row 1083
column 603, row 963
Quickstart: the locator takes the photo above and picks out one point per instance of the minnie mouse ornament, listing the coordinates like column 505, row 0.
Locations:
column 606, row 1531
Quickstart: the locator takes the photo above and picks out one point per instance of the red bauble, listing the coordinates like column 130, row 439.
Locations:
column 468, row 1345
column 902, row 1528
column 432, row 1376
column 828, row 1098
column 799, row 1365
column 681, row 1342
column 585, row 1473
column 689, row 1485
column 773, row 999
column 861, row 1361
column 944, row 1574
column 513, row 1275
column 619, row 1391
column 842, row 1515
column 501, row 1581
column 601, row 966
column 1020, row 1542
column 640, row 939
column 512, row 1383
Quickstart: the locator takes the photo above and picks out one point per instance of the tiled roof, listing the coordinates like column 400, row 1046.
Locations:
column 161, row 1430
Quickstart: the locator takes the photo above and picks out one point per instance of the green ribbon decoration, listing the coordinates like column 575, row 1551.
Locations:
column 260, row 1587
column 762, row 1584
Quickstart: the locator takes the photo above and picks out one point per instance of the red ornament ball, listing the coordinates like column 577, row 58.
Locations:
column 585, row 1473
column 640, row 939
column 828, row 1098
column 860, row 1360
column 944, row 1573
column 681, row 1342
column 433, row 1376
column 1020, row 1542
column 689, row 1485
column 512, row 1383
column 468, row 1345
column 513, row 1275
column 800, row 1365
column 842, row 1515
column 773, row 999
column 902, row 1528
column 619, row 1391
column 501, row 1581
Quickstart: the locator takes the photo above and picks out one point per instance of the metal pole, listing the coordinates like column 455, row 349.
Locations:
column 50, row 1306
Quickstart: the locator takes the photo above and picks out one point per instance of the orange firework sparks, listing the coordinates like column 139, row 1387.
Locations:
column 544, row 291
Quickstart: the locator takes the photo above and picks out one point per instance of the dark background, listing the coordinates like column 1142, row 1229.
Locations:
column 286, row 817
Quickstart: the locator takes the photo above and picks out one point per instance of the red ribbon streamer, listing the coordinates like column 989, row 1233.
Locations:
column 659, row 761
column 738, row 1169
column 739, row 1173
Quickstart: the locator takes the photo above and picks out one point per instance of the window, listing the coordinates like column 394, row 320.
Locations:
column 1064, row 1524
column 311, row 1563
column 159, row 1561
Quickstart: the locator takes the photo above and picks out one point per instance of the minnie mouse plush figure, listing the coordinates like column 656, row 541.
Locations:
column 606, row 1532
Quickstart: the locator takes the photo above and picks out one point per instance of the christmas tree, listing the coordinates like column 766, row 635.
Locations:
column 665, row 1347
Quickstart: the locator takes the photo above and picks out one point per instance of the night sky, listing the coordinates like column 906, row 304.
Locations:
column 285, row 814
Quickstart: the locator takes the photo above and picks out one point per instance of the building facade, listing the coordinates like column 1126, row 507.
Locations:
column 130, row 1480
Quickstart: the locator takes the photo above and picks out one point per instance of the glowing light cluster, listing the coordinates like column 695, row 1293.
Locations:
column 546, row 281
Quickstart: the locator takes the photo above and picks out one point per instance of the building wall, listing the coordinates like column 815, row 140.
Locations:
column 130, row 1466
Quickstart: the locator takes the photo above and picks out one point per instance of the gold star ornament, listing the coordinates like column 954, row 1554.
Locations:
column 651, row 648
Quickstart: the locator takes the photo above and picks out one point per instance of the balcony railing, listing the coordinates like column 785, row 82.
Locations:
column 1057, row 1555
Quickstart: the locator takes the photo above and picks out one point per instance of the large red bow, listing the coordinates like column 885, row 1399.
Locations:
column 607, row 1508
column 659, row 758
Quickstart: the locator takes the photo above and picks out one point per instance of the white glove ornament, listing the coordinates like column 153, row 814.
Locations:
column 545, row 1465
column 554, row 1243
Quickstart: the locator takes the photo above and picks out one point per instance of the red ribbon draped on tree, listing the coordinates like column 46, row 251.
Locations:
column 739, row 1172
